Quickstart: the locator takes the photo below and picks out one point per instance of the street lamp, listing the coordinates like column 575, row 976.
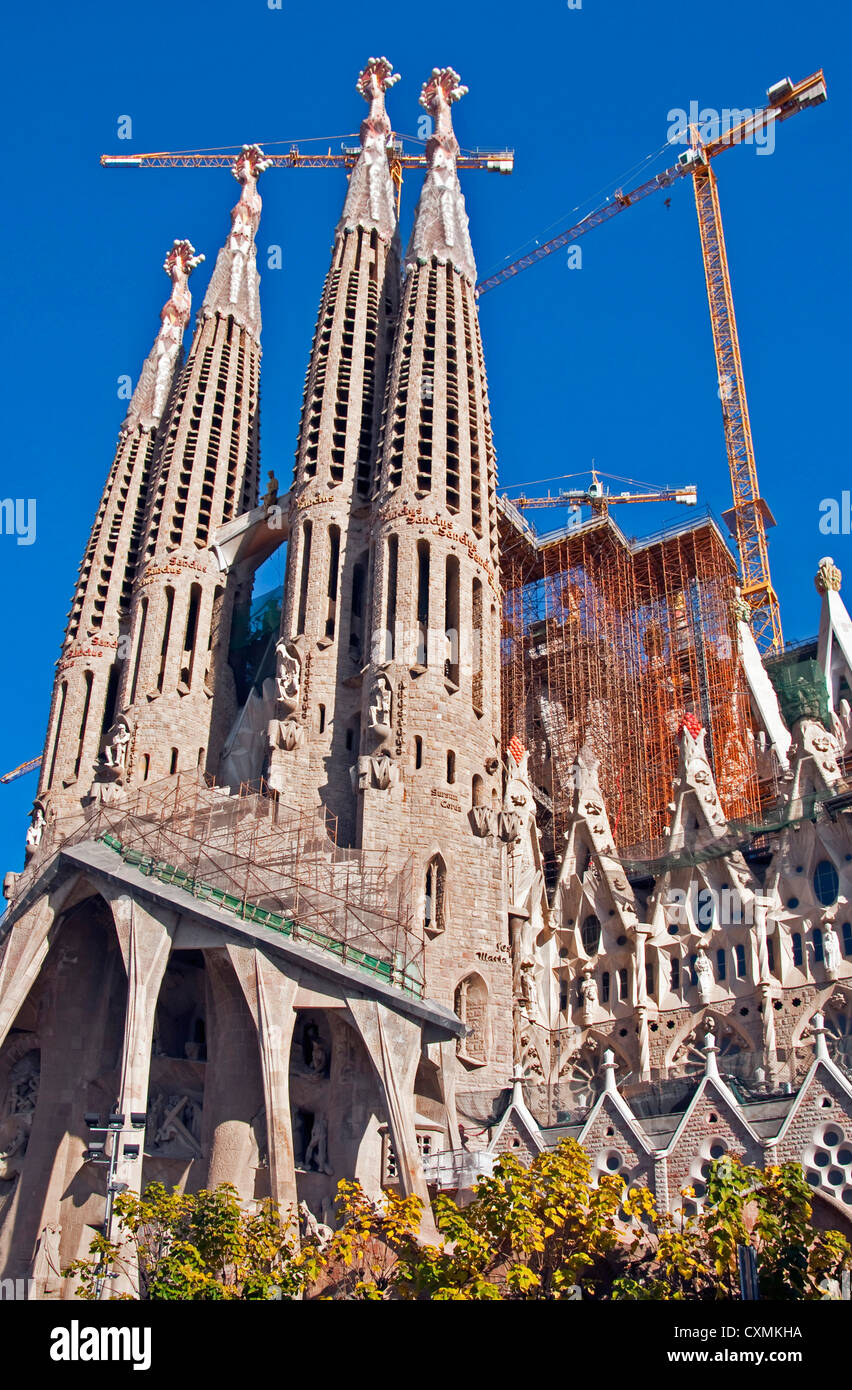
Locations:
column 96, row 1153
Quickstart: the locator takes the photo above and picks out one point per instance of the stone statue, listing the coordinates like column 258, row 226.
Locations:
column 288, row 677
column 115, row 751
column 828, row 576
column 588, row 995
column 529, row 994
column 831, row 951
column 36, row 828
column 312, row 1229
column 381, row 705
column 271, row 490
column 14, row 1138
column 318, row 1065
column 316, row 1154
column 704, row 976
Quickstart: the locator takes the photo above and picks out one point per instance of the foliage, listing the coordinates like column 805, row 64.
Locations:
column 200, row 1246
column 547, row 1231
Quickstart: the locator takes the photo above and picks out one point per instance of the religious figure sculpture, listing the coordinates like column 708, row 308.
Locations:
column 115, row 751
column 288, row 677
column 588, row 995
column 316, row 1154
column 704, row 976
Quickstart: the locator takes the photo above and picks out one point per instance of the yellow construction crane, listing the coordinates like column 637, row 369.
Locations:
column 749, row 517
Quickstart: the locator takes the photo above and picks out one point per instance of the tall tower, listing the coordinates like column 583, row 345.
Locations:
column 429, row 774
column 177, row 695
column 96, row 638
column 323, row 647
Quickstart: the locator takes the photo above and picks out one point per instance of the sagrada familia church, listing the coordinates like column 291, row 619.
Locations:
column 492, row 838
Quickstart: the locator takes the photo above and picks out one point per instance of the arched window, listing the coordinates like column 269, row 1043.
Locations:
column 451, row 619
column 622, row 984
column 479, row 793
column 471, row 1006
column 819, row 949
column 798, row 955
column 605, row 987
column 847, row 938
column 720, row 963
column 826, row 882
column 435, row 896
column 740, row 958
column 591, row 935
column 451, row 766
column 675, row 974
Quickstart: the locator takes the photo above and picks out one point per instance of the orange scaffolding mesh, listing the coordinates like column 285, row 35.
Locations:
column 609, row 643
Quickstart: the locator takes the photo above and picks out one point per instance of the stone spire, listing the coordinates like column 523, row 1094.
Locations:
column 440, row 222
column 155, row 379
column 234, row 284
column 93, row 652
column 370, row 202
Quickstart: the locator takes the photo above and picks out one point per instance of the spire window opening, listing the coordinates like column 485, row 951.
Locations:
column 390, row 597
column 189, row 641
column 435, row 896
column 88, row 680
column 57, row 733
column 418, row 752
column 173, row 765
column 333, row 569
column 451, row 620
column 307, row 534
column 422, row 603
column 167, row 627
column 143, row 608
column 477, row 692
column 356, row 611
column 451, row 767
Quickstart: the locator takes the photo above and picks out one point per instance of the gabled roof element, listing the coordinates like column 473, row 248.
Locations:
column 370, row 201
column 440, row 222
column 152, row 389
column 234, row 284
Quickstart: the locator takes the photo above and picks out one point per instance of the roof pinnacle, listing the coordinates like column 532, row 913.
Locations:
column 155, row 379
column 370, row 199
column 233, row 287
column 440, row 224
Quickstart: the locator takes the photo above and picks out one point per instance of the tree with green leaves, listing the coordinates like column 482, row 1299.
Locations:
column 546, row 1231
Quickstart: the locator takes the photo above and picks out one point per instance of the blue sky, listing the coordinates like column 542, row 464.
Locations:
column 612, row 361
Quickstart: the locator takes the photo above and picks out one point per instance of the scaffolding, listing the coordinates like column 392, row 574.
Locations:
column 609, row 643
column 252, row 857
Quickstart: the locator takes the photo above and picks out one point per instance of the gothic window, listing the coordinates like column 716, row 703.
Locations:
column 390, row 597
column 622, row 984
column 167, row 627
column 333, row 567
column 740, row 958
column 605, row 987
column 471, row 1006
column 84, row 719
column 798, row 954
column 847, row 938
column 435, row 896
column 591, row 935
column 720, row 963
column 819, row 949
column 451, row 620
column 826, row 882
column 59, row 718
column 675, row 981
column 189, row 643
column 422, row 603
column 477, row 688
column 479, row 796
column 356, row 611
column 307, row 530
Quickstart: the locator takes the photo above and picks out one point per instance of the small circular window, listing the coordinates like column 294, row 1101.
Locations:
column 826, row 882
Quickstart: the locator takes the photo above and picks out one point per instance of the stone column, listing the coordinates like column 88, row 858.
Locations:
column 269, row 994
column 393, row 1044
column 770, row 1045
column 642, row 1006
column 233, row 1097
column 28, row 944
column 145, row 935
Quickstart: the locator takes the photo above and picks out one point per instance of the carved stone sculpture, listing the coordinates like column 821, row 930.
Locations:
column 36, row 828
column 831, row 949
column 288, row 676
column 588, row 995
column 115, row 752
column 704, row 976
column 316, row 1154
column 381, row 706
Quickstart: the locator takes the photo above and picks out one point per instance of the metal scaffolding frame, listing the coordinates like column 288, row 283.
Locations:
column 609, row 643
